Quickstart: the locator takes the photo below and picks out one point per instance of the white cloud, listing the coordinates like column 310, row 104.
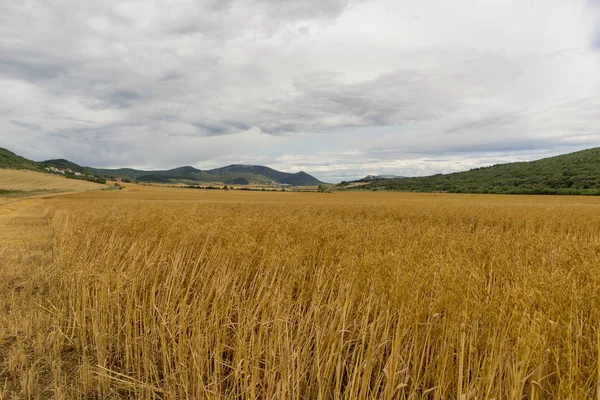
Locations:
column 340, row 88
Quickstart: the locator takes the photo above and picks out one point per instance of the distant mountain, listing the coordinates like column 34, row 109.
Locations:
column 232, row 175
column 186, row 174
column 574, row 173
column 298, row 179
column 236, row 174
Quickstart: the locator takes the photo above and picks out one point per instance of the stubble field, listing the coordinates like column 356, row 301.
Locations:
column 159, row 293
column 23, row 180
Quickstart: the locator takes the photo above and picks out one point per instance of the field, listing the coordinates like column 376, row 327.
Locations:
column 167, row 293
column 23, row 180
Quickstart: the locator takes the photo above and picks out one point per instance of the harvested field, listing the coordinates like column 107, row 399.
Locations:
column 23, row 180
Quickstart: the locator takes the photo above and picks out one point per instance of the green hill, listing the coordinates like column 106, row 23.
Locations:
column 574, row 173
column 130, row 173
column 63, row 164
column 9, row 160
column 177, row 175
column 298, row 179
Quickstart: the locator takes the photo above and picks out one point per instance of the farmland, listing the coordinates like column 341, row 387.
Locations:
column 168, row 293
column 24, row 180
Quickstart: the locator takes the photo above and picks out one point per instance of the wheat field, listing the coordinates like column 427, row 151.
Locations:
column 165, row 293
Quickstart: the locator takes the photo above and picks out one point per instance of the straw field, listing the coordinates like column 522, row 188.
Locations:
column 23, row 180
column 157, row 293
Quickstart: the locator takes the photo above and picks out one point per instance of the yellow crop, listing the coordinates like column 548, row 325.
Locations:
column 159, row 293
column 30, row 180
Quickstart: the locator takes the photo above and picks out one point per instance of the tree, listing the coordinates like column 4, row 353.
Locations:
column 323, row 188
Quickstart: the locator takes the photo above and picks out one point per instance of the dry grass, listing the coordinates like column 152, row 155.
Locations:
column 25, row 255
column 170, row 293
column 23, row 180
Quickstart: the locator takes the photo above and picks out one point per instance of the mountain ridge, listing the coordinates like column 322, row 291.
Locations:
column 236, row 174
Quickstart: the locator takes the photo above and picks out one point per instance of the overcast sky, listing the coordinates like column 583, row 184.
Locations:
column 338, row 88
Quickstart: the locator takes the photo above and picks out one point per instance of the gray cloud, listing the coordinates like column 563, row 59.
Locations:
column 27, row 125
column 124, row 97
column 328, row 85
column 31, row 66
column 292, row 10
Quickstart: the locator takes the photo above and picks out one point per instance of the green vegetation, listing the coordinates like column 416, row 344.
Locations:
column 570, row 174
column 90, row 178
column 74, row 171
column 234, row 171
column 324, row 188
column 127, row 173
column 238, row 181
column 23, row 193
column 9, row 160
column 4, row 192
column 64, row 165
column 177, row 175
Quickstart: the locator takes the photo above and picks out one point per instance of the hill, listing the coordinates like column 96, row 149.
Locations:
column 236, row 171
column 130, row 173
column 9, row 160
column 63, row 164
column 233, row 174
column 177, row 175
column 574, row 173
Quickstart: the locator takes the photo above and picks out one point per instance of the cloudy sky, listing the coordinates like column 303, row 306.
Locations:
column 338, row 88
